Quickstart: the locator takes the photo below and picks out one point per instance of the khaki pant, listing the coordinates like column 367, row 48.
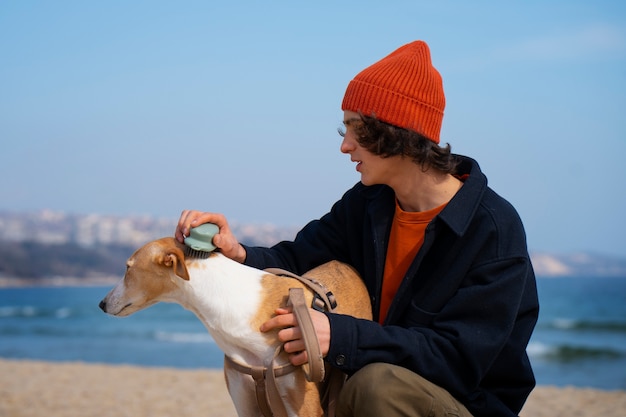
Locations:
column 384, row 390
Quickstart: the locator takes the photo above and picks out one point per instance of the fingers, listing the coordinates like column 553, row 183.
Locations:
column 225, row 240
column 192, row 218
column 292, row 339
column 288, row 329
column 299, row 358
column 293, row 344
column 187, row 217
column 290, row 334
column 283, row 319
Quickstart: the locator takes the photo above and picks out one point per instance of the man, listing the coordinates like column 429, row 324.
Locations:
column 443, row 256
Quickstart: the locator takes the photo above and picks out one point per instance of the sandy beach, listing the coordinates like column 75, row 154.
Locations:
column 35, row 389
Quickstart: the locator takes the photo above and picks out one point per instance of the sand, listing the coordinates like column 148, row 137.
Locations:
column 32, row 388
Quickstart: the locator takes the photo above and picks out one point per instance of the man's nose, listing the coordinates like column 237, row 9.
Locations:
column 346, row 146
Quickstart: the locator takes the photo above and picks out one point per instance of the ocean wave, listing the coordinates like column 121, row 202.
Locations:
column 63, row 313
column 585, row 325
column 86, row 330
column 18, row 311
column 570, row 353
column 9, row 312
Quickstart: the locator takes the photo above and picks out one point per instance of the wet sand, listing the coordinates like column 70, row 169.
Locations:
column 36, row 389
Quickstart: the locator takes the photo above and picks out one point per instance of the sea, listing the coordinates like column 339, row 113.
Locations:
column 580, row 339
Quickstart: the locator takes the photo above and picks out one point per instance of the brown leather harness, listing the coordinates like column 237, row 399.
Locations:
column 265, row 377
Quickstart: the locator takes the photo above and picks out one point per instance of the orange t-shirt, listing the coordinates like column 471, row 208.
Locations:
column 406, row 238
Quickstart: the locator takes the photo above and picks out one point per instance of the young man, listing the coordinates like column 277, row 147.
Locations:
column 443, row 256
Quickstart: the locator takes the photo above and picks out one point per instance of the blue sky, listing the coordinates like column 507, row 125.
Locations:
column 151, row 107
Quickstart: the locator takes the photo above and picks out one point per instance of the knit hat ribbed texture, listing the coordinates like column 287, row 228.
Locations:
column 402, row 89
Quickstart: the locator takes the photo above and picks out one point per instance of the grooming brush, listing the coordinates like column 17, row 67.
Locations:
column 199, row 243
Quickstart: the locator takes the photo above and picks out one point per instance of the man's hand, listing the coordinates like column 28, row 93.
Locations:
column 225, row 240
column 291, row 336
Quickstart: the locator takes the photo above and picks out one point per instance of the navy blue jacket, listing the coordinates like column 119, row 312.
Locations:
column 465, row 311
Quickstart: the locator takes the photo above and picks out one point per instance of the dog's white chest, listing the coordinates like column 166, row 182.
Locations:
column 228, row 301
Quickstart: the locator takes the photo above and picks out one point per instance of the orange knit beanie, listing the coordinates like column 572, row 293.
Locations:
column 402, row 89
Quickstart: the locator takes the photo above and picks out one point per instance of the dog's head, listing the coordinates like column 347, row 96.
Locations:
column 153, row 274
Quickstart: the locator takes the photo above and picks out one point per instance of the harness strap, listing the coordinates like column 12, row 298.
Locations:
column 258, row 374
column 276, row 403
column 315, row 365
column 324, row 299
column 245, row 369
column 267, row 396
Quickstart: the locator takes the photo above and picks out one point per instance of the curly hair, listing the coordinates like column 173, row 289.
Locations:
column 386, row 140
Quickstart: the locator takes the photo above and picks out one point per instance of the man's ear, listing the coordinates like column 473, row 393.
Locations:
column 174, row 258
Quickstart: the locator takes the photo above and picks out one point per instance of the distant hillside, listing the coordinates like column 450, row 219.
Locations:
column 42, row 247
column 578, row 264
column 94, row 230
column 40, row 261
column 39, row 247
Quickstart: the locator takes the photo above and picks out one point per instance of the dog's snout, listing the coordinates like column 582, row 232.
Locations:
column 103, row 306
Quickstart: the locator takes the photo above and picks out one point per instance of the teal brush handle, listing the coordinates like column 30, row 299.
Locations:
column 201, row 238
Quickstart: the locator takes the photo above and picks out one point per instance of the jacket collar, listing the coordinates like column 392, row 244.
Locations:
column 458, row 213
column 460, row 210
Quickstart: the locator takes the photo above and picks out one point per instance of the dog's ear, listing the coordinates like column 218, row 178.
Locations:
column 174, row 258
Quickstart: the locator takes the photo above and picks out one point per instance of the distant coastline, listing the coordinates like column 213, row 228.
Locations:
column 49, row 248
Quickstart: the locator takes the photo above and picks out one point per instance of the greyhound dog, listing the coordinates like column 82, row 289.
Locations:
column 232, row 300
